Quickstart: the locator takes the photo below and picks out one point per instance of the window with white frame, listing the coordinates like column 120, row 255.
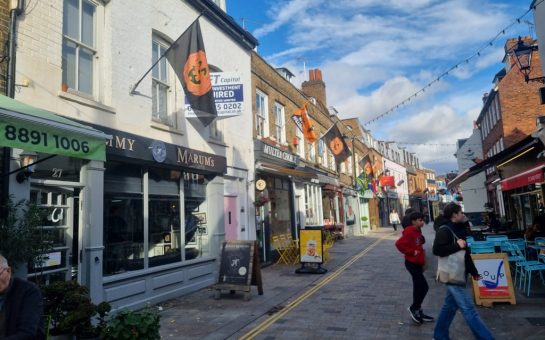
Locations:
column 261, row 114
column 279, row 123
column 331, row 160
column 322, row 151
column 160, row 86
column 312, row 152
column 343, row 167
column 349, row 165
column 300, row 142
column 313, row 204
column 215, row 131
column 79, row 45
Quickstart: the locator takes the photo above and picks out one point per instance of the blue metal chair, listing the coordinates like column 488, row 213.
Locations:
column 470, row 240
column 529, row 270
column 516, row 259
column 497, row 239
column 518, row 242
column 482, row 247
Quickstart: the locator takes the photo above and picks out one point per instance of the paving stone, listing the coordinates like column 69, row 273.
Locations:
column 368, row 300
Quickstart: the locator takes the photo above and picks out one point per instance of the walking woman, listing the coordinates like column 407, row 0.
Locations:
column 394, row 218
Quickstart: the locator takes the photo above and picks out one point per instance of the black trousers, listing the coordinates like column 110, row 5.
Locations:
column 420, row 285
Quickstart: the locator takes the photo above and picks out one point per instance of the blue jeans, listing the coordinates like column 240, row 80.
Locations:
column 457, row 297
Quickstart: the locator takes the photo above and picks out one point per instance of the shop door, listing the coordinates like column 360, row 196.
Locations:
column 231, row 217
column 60, row 223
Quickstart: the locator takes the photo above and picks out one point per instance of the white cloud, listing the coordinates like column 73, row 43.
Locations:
column 284, row 14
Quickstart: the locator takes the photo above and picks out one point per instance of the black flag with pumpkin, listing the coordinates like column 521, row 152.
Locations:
column 188, row 59
column 335, row 142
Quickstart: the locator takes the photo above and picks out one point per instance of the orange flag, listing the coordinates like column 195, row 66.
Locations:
column 308, row 129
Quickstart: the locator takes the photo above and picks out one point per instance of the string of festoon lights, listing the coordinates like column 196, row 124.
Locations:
column 476, row 54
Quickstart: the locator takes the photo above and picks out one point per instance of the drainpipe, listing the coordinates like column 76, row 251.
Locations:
column 16, row 8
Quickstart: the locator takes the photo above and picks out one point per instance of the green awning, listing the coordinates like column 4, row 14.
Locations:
column 32, row 129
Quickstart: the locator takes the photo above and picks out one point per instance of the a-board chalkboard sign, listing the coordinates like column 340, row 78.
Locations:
column 495, row 283
column 239, row 268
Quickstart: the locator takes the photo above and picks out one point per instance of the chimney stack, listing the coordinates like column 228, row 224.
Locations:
column 315, row 86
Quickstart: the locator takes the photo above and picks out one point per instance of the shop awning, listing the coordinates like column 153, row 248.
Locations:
column 32, row 129
column 280, row 170
column 511, row 151
column 328, row 180
column 530, row 176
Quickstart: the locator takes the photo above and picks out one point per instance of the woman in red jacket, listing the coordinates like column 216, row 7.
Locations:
column 411, row 244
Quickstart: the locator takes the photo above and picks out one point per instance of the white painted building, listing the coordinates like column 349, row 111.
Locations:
column 165, row 175
column 473, row 189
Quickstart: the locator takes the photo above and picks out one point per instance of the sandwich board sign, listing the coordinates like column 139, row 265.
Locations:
column 495, row 283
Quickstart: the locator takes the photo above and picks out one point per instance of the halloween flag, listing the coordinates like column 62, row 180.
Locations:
column 188, row 59
column 303, row 122
column 367, row 166
column 335, row 142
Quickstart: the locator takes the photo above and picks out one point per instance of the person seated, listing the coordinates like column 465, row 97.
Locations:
column 493, row 222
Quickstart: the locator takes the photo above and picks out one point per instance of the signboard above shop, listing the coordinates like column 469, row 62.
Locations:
column 267, row 151
column 228, row 93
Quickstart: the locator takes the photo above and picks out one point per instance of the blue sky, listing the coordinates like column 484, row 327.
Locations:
column 375, row 53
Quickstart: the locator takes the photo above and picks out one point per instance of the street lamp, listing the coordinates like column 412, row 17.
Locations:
column 523, row 57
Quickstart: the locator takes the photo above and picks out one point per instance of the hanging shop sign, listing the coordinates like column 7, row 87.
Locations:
column 387, row 181
column 228, row 94
column 124, row 144
column 260, row 184
column 25, row 127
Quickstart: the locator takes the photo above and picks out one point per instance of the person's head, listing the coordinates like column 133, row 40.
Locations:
column 393, row 210
column 417, row 219
column 5, row 273
column 409, row 211
column 454, row 213
column 311, row 247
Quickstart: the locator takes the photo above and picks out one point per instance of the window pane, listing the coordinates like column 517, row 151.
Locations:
column 85, row 72
column 162, row 103
column 154, row 56
column 69, row 64
column 163, row 65
column 197, row 232
column 123, row 233
column 164, row 230
column 70, row 25
column 88, row 24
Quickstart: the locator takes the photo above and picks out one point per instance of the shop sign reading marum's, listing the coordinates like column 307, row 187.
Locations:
column 228, row 93
column 124, row 144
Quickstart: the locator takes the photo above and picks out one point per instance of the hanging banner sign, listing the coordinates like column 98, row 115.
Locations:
column 25, row 135
column 228, row 93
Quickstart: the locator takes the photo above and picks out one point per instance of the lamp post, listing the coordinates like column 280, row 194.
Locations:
column 523, row 57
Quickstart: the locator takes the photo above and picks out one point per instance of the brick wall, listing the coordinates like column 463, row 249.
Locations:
column 4, row 31
column 278, row 89
column 519, row 105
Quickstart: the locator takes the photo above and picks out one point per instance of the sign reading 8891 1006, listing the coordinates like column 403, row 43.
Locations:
column 228, row 93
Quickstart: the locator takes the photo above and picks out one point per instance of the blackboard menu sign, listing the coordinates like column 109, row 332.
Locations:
column 239, row 268
column 236, row 261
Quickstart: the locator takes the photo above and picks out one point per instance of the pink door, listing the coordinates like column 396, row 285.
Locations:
column 231, row 217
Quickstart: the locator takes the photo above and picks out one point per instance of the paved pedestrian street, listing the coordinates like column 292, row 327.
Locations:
column 364, row 295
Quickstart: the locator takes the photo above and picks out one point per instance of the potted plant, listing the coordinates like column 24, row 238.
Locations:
column 69, row 311
column 127, row 324
column 22, row 240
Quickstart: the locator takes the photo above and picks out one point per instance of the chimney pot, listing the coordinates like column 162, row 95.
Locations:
column 318, row 74
column 311, row 74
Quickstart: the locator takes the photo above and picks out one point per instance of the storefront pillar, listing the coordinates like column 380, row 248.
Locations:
column 92, row 219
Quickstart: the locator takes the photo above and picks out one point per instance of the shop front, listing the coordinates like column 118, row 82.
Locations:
column 523, row 194
column 163, row 220
column 64, row 180
column 351, row 212
column 274, row 197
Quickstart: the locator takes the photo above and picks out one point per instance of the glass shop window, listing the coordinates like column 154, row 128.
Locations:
column 196, row 224
column 165, row 240
column 123, row 219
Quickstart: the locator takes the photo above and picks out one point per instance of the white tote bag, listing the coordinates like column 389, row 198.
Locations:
column 452, row 269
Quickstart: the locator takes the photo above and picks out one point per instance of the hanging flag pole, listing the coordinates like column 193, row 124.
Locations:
column 133, row 89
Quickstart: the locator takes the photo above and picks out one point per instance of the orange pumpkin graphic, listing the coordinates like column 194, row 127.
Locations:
column 197, row 74
column 336, row 146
